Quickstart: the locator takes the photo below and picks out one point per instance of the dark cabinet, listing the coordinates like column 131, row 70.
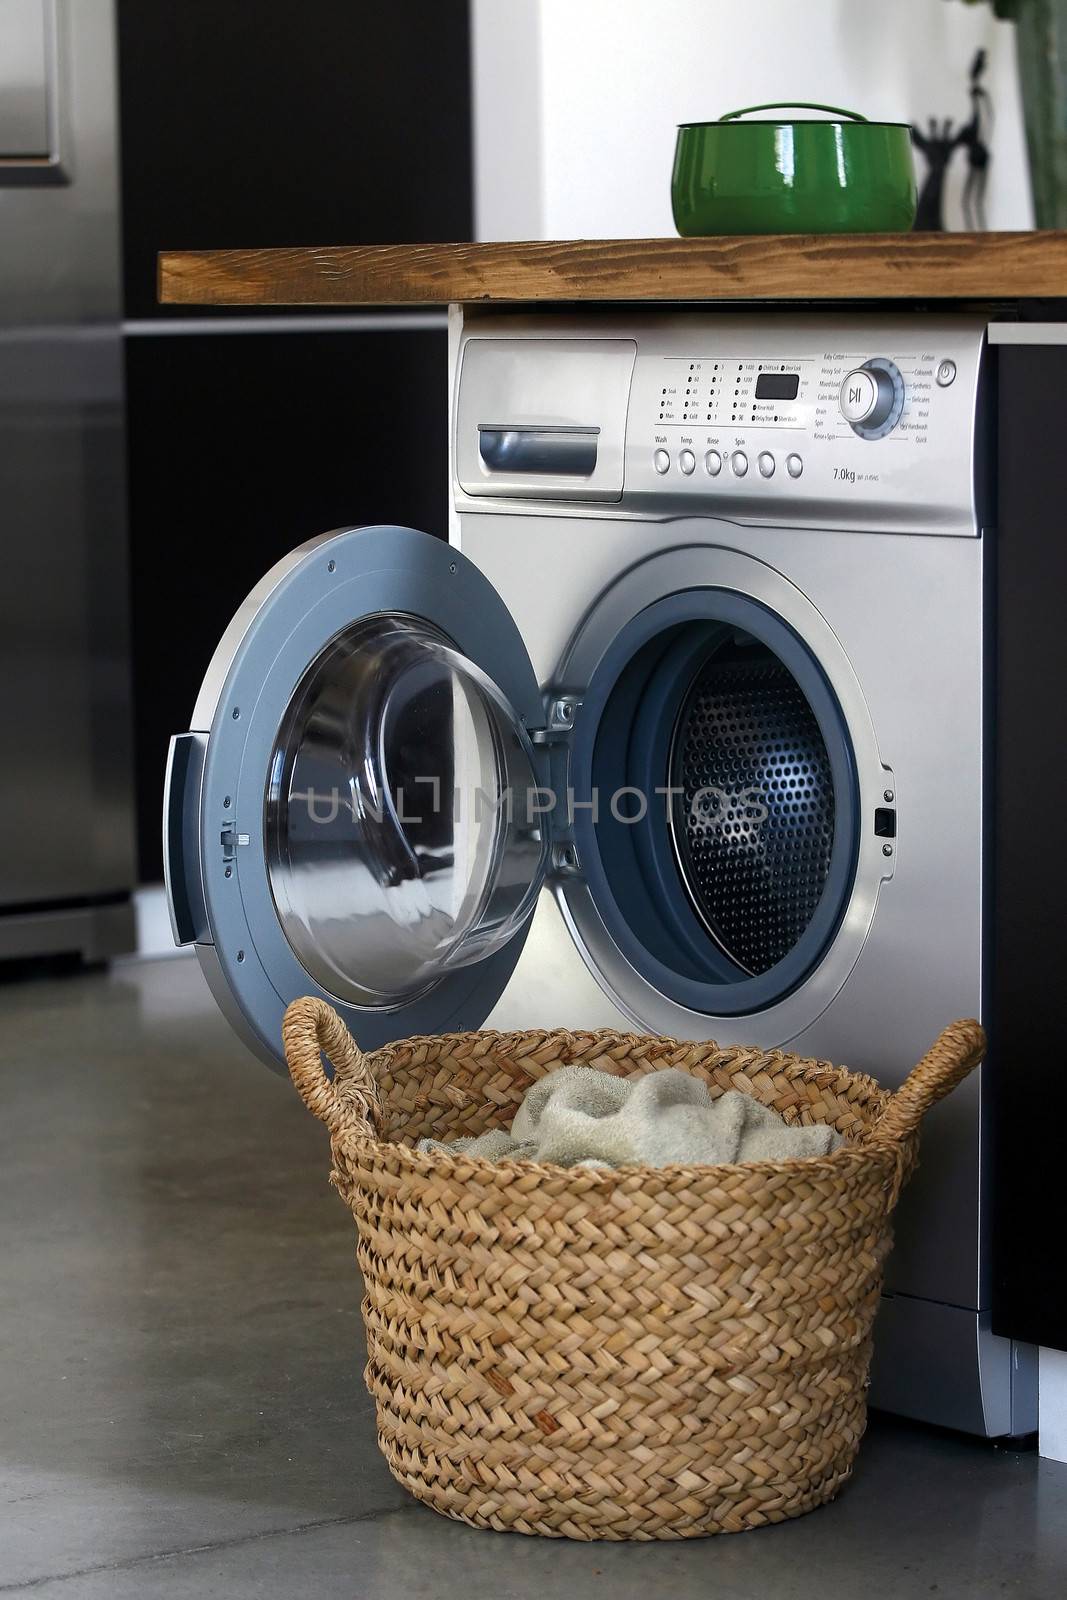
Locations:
column 241, row 447
column 264, row 123
column 261, row 122
column 1029, row 758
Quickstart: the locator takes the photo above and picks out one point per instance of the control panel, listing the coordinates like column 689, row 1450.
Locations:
column 807, row 419
column 821, row 419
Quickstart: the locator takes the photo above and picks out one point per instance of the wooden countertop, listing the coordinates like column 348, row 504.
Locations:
column 908, row 266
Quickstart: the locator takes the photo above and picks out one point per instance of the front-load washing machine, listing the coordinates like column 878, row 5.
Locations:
column 683, row 728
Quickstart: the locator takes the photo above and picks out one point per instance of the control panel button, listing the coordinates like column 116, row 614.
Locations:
column 872, row 398
column 794, row 465
column 713, row 463
column 686, row 461
column 946, row 372
column 765, row 462
column 859, row 396
column 661, row 461
column 739, row 463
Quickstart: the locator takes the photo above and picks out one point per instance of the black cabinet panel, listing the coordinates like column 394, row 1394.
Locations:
column 242, row 446
column 261, row 122
column 1028, row 1072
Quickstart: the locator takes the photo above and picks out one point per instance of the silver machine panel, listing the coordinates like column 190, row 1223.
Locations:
column 66, row 806
column 27, row 78
column 833, row 469
column 723, row 418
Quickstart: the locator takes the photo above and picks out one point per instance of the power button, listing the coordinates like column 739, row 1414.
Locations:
column 946, row 372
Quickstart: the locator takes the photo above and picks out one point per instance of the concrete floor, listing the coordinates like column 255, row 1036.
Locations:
column 181, row 1409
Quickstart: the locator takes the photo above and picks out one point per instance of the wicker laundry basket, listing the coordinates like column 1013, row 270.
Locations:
column 631, row 1354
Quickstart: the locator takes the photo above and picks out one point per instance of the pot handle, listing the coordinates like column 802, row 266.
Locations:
column 794, row 105
column 348, row 1102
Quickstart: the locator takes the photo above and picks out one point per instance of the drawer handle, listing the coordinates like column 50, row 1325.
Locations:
column 551, row 451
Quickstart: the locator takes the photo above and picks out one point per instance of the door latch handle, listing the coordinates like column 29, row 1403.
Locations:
column 181, row 838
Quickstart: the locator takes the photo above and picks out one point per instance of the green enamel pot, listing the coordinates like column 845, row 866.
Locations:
column 845, row 175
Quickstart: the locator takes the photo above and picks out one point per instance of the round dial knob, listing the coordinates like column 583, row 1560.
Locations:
column 872, row 398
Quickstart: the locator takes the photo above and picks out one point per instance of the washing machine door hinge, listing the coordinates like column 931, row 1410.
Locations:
column 561, row 711
column 561, row 714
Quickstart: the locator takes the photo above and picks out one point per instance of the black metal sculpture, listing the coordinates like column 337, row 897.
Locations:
column 939, row 144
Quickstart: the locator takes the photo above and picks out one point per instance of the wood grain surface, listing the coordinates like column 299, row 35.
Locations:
column 914, row 266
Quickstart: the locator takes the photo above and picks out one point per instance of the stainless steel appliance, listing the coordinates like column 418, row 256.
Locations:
column 717, row 595
column 66, row 864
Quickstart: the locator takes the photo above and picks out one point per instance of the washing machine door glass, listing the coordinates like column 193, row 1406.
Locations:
column 400, row 844
column 356, row 813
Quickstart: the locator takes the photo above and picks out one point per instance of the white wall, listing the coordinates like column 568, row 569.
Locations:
column 576, row 101
column 1052, row 1405
column 506, row 82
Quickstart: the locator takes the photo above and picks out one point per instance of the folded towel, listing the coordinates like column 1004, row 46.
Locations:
column 578, row 1116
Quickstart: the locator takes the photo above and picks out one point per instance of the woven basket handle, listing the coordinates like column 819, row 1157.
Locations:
column 349, row 1100
column 949, row 1059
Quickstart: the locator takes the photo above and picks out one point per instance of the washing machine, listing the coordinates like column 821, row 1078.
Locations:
column 682, row 729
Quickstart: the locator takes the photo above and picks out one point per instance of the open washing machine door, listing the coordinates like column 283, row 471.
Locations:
column 354, row 813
